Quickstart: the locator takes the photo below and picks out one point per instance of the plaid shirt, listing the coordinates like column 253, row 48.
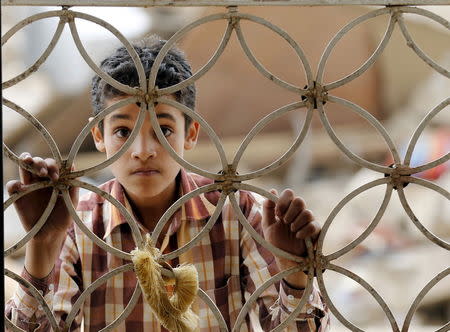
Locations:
column 230, row 265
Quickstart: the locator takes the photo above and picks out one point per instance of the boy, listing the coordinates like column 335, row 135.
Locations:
column 61, row 261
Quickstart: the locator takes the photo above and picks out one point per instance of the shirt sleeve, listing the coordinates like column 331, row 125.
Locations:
column 60, row 290
column 275, row 304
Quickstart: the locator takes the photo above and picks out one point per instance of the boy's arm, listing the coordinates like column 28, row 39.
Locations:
column 43, row 249
column 59, row 289
column 22, row 307
column 279, row 300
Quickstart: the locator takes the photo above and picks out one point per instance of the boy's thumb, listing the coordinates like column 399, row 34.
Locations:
column 269, row 210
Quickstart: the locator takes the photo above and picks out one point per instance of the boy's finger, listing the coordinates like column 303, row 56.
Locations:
column 13, row 187
column 40, row 166
column 25, row 175
column 37, row 163
column 269, row 210
column 315, row 236
column 295, row 208
column 52, row 167
column 283, row 202
column 26, row 157
column 302, row 219
column 269, row 202
column 74, row 195
column 309, row 230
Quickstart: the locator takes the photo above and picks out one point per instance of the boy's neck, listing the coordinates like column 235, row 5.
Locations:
column 150, row 210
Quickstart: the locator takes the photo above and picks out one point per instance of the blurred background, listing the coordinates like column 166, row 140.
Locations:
column 399, row 90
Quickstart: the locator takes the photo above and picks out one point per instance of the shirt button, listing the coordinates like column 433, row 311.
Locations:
column 311, row 297
column 50, row 287
column 309, row 311
column 290, row 297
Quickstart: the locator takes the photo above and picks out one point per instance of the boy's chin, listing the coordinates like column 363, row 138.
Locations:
column 145, row 188
column 145, row 192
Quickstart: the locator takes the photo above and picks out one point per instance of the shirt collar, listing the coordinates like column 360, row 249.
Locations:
column 197, row 208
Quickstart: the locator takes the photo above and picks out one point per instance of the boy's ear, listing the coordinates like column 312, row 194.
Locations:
column 192, row 135
column 98, row 137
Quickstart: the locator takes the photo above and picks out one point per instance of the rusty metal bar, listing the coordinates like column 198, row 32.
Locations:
column 219, row 3
column 171, row 42
column 363, row 283
column 358, row 160
column 94, row 238
column 92, row 287
column 34, row 67
column 280, row 275
column 300, row 305
column 259, row 126
column 419, row 130
column 410, row 42
column 339, row 207
column 205, row 126
column 125, row 213
column 127, row 311
column 37, row 295
column 258, row 238
column 369, row 229
column 401, row 194
column 283, row 34
column 260, row 67
column 56, row 154
column 228, row 181
column 361, row 70
column 41, row 221
column 87, row 130
column 419, row 298
column 222, row 324
column 209, row 225
column 124, row 147
column 175, row 206
column 374, row 122
column 71, row 15
column 223, row 44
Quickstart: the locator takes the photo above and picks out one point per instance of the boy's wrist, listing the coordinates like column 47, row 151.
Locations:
column 39, row 283
column 41, row 256
column 47, row 240
column 295, row 287
column 295, row 280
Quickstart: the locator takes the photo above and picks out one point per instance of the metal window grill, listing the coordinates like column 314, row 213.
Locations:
column 228, row 181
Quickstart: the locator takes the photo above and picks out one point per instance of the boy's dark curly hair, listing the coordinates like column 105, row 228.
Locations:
column 119, row 65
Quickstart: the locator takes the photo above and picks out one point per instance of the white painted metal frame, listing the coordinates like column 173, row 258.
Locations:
column 311, row 98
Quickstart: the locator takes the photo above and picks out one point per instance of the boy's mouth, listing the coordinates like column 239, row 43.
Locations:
column 145, row 171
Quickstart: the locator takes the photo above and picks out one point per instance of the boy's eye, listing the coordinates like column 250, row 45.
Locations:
column 122, row 132
column 166, row 131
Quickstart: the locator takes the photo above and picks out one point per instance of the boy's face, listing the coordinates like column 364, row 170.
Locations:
column 146, row 169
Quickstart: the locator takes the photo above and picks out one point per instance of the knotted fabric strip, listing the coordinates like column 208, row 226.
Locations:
column 173, row 312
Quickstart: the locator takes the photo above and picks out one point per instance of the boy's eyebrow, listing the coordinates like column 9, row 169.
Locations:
column 120, row 116
column 166, row 116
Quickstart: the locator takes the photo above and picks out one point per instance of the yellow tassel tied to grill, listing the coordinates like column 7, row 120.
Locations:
column 173, row 312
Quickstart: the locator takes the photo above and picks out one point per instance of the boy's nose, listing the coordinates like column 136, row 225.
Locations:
column 143, row 148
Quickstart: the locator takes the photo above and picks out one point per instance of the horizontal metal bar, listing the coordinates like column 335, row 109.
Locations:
column 199, row 3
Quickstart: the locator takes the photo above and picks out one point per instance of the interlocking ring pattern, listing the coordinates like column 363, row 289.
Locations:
column 228, row 180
